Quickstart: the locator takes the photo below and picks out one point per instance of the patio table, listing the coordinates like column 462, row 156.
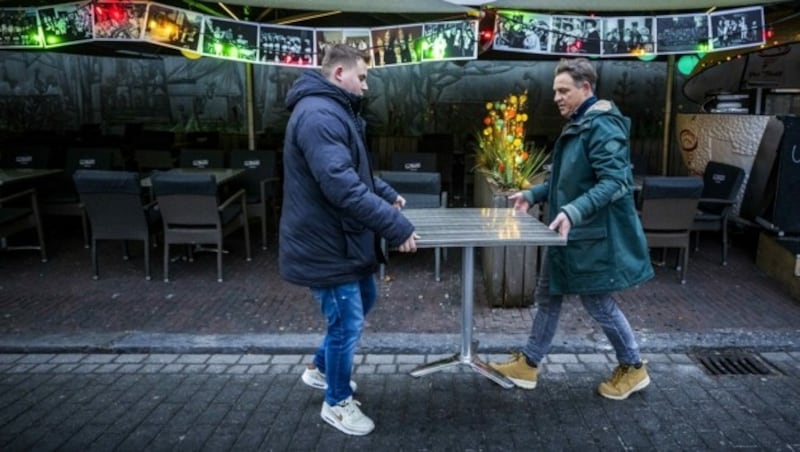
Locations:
column 9, row 175
column 222, row 175
column 468, row 228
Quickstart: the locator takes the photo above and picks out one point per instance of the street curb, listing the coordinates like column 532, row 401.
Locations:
column 385, row 343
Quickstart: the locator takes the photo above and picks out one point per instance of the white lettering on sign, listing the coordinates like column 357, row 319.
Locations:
column 24, row 159
column 412, row 166
column 200, row 163
column 252, row 163
column 87, row 163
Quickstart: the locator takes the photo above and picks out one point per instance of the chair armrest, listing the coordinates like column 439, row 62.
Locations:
column 29, row 192
column 718, row 201
column 443, row 202
column 263, row 186
column 238, row 195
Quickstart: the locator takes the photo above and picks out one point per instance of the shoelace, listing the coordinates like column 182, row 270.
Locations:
column 352, row 407
column 515, row 356
column 619, row 372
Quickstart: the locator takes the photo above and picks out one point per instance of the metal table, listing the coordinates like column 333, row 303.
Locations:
column 466, row 229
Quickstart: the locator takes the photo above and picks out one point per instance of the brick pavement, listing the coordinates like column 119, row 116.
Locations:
column 218, row 402
column 58, row 303
column 210, row 366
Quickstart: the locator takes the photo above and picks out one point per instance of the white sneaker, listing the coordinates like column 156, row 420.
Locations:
column 316, row 379
column 347, row 417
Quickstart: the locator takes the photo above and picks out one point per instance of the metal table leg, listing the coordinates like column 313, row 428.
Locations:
column 466, row 357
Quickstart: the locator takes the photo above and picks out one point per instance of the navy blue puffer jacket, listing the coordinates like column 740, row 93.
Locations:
column 333, row 209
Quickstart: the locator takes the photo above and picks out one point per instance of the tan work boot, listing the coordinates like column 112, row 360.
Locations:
column 518, row 371
column 625, row 380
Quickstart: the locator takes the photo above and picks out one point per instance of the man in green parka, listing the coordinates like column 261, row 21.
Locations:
column 590, row 194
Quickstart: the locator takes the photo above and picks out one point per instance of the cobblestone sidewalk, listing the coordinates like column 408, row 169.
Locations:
column 218, row 402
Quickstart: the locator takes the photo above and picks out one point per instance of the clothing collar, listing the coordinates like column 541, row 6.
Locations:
column 591, row 100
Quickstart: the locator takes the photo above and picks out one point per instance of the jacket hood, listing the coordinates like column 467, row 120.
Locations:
column 313, row 83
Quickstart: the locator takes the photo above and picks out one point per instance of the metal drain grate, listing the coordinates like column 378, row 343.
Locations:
column 734, row 363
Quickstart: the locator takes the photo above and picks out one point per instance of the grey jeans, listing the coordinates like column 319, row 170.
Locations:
column 602, row 307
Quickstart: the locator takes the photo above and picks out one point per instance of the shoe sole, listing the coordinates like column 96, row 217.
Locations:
column 342, row 428
column 642, row 384
column 310, row 381
column 524, row 384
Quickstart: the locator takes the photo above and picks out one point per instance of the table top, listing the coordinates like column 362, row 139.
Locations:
column 460, row 227
column 8, row 175
column 222, row 175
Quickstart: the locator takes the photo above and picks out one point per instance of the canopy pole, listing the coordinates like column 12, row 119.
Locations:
column 248, row 82
column 667, row 113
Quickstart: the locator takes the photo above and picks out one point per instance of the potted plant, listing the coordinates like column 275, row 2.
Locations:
column 503, row 156
column 505, row 164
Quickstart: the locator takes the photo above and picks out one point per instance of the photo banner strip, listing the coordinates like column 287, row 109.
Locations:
column 119, row 21
column 686, row 33
column 174, row 27
column 70, row 23
column 514, row 31
column 230, row 39
column 20, row 28
column 737, row 28
column 358, row 38
column 286, row 45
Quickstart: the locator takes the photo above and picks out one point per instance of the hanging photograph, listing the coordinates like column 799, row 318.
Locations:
column 20, row 28
column 229, row 39
column 326, row 38
column 456, row 40
column 173, row 27
column 66, row 24
column 630, row 35
column 517, row 31
column 286, row 45
column 119, row 20
column 397, row 45
column 682, row 33
column 357, row 38
column 567, row 35
column 736, row 28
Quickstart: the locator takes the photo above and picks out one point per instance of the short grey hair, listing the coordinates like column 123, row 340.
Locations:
column 580, row 69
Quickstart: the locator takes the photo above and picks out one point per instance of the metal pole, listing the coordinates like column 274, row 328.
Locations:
column 667, row 113
column 248, row 82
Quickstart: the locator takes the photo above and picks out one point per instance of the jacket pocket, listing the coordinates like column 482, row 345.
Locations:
column 588, row 250
column 358, row 241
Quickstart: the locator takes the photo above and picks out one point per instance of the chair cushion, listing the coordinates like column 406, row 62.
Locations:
column 407, row 182
column 174, row 183
column 99, row 181
column 671, row 187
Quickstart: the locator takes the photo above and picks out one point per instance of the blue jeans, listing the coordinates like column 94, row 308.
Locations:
column 344, row 306
column 601, row 307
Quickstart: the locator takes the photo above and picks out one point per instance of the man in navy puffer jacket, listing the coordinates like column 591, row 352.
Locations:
column 334, row 213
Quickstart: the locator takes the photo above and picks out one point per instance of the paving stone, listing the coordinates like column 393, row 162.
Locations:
column 223, row 359
column 192, row 359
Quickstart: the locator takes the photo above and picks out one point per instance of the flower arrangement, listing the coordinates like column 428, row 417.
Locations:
column 502, row 153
